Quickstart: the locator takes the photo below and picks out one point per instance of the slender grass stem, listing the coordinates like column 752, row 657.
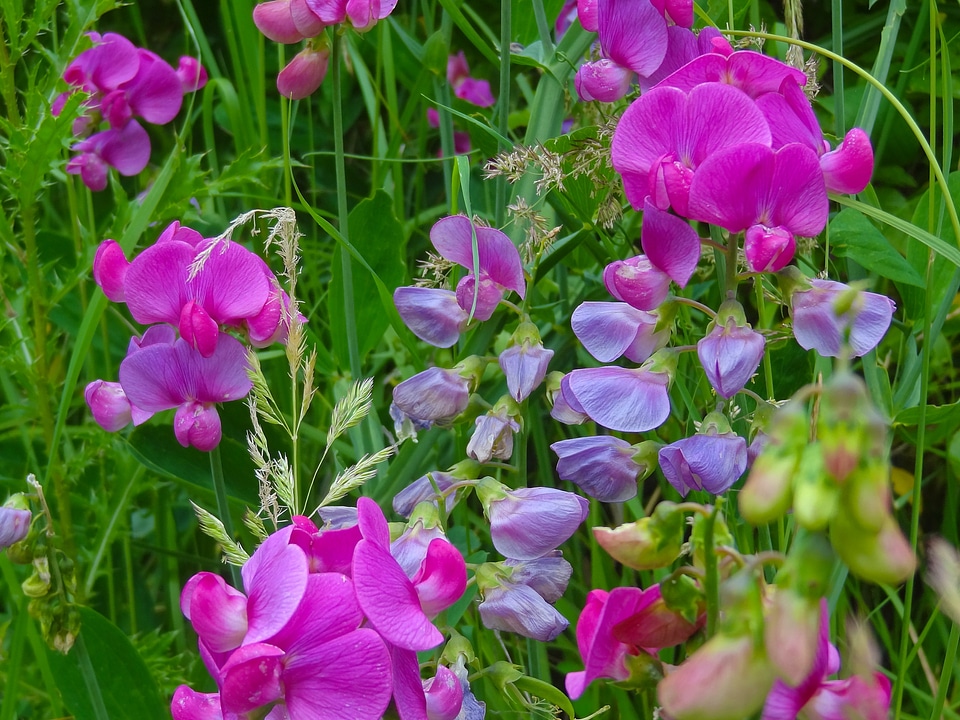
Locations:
column 223, row 505
column 946, row 673
column 711, row 582
column 503, row 126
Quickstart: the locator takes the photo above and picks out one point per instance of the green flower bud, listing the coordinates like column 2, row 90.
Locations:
column 647, row 544
column 815, row 494
column 881, row 557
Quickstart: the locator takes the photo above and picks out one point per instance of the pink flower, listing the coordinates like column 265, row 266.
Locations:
column 602, row 80
column 303, row 75
column 14, row 524
column 750, row 71
column 474, row 91
column 126, row 150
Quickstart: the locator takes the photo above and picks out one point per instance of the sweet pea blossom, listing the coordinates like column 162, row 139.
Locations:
column 14, row 522
column 525, row 362
column 474, row 91
column 432, row 314
column 493, row 437
column 602, row 466
column 434, row 395
column 303, row 75
column 731, row 351
column 609, row 330
column 712, row 460
column 518, row 596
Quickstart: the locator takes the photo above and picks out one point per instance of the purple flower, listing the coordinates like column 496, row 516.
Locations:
column 609, row 330
column 822, row 323
column 519, row 597
column 421, row 490
column 750, row 184
column 768, row 249
column 499, row 265
column 434, row 395
column 731, row 351
column 493, row 437
column 668, row 133
column 747, row 70
column 126, row 150
column 432, row 314
column 525, row 364
column 637, row 282
column 474, row 91
column 303, row 75
column 162, row 376
column 624, row 399
column 632, row 34
column 602, row 466
column 14, row 522
column 530, row 522
column 713, row 460
column 110, row 407
column 565, row 407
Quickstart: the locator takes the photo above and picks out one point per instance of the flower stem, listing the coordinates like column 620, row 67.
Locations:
column 506, row 33
column 711, row 581
column 946, row 672
column 223, row 506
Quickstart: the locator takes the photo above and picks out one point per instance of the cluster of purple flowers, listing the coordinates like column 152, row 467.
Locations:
column 123, row 82
column 329, row 624
column 190, row 289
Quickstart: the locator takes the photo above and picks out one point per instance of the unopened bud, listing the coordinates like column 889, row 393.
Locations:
column 647, row 544
column 815, row 494
column 883, row 557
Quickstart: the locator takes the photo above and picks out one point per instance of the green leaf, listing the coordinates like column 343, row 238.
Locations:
column 855, row 237
column 378, row 236
column 545, row 691
column 105, row 674
column 936, row 414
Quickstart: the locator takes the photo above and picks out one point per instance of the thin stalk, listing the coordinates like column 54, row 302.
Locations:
column 946, row 673
column 223, row 507
column 836, row 13
column 730, row 279
column 767, row 364
column 503, row 126
column 711, row 581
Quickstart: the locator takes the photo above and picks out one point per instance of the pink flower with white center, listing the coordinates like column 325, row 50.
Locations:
column 528, row 523
column 498, row 266
column 474, row 91
column 821, row 322
column 400, row 607
column 668, row 133
column 163, row 376
column 815, row 697
column 610, row 330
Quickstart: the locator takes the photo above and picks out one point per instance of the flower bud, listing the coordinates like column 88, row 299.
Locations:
column 435, row 395
column 848, row 168
column 637, row 282
column 602, row 80
column 493, row 437
column 731, row 351
column 525, row 362
column 768, row 249
column 516, row 607
column 109, row 270
column 815, row 494
column 866, row 495
column 15, row 519
column 883, row 557
column 647, row 544
column 768, row 491
column 304, row 73
column 841, row 427
column 605, row 467
column 444, row 695
column 712, row 460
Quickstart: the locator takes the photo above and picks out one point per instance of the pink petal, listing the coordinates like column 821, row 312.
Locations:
column 217, row 611
column 305, row 20
column 108, row 404
column 622, row 399
column 232, row 284
column 109, row 269
column 197, row 425
column 187, row 704
column 155, row 283
column 457, row 69
column 633, row 34
column 444, row 695
column 476, row 92
column 487, row 296
column 275, row 20
column 274, row 589
column 304, row 74
column 307, row 628
column 127, row 150
column 751, row 72
column 602, row 80
column 112, row 60
column 848, row 168
column 193, row 76
column 331, row 12
column 637, row 281
column 791, row 117
column 155, row 93
column 441, row 579
column 432, row 314
column 372, row 522
column 349, row 676
column 389, row 600
column 499, row 258
column 670, row 243
column 408, row 692
column 251, row 678
column 198, row 329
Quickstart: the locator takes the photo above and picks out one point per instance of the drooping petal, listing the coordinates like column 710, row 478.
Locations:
column 305, row 20
column 633, row 34
column 441, row 579
column 111, row 61
column 621, row 398
column 498, row 257
column 848, row 168
column 217, row 611
column 518, row 608
column 126, row 150
column 198, row 425
column 109, row 270
column 155, row 93
column 610, row 330
column 704, row 462
column 275, row 590
column 530, row 522
column 432, row 314
column 525, row 367
column 768, row 249
column 817, row 325
column 602, row 466
column 730, row 355
column 108, row 404
column 434, row 394
column 443, row 694
column 670, row 243
column 480, row 298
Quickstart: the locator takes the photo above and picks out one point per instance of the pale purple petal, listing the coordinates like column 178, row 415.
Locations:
column 530, row 522
column 704, row 462
column 434, row 394
column 421, row 490
column 609, row 330
column 621, row 398
column 487, row 296
column 547, row 575
column 602, row 466
column 432, row 314
column 730, row 355
column 525, row 367
column 14, row 525
column 816, row 324
column 519, row 609
column 108, row 404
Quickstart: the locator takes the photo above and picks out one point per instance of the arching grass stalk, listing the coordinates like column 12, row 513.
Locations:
column 503, row 125
column 891, row 98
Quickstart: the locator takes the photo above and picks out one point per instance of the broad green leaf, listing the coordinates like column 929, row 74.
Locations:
column 105, row 674
column 378, row 236
column 855, row 237
column 936, row 414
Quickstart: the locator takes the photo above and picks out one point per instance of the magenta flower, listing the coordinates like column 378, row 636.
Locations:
column 528, row 523
column 275, row 20
column 432, row 314
column 110, row 407
column 670, row 243
column 474, row 91
column 768, row 249
column 683, row 46
column 637, row 282
column 303, row 75
column 499, row 265
column 602, row 80
column 712, row 460
column 632, row 34
column 193, row 76
column 525, row 366
column 127, row 150
column 518, row 597
column 817, row 697
column 602, row 466
column 437, row 698
column 624, row 399
column 751, row 185
column 326, row 550
column 747, row 70
column 400, row 607
column 610, row 330
column 603, row 655
column 163, row 376
column 668, row 133
column 731, row 351
column 818, row 325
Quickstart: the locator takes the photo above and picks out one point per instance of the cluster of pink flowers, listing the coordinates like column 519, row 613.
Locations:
column 329, row 624
column 190, row 289
column 124, row 82
column 293, row 21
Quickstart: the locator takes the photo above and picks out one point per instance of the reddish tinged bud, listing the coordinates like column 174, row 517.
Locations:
column 768, row 249
column 274, row 19
column 883, row 557
column 647, row 544
column 304, row 74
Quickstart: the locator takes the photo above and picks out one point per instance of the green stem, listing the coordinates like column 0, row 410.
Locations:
column 223, row 506
column 730, row 280
column 506, row 34
column 767, row 363
column 946, row 673
column 711, row 581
